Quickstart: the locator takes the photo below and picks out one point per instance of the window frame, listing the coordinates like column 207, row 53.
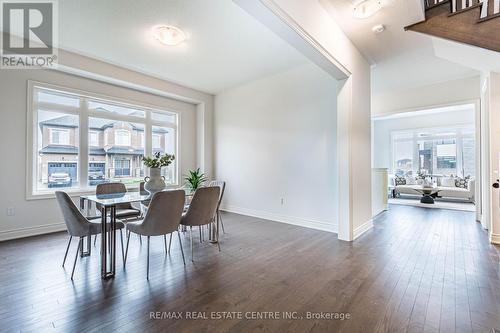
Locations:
column 84, row 113
column 51, row 136
column 456, row 133
column 90, row 136
column 128, row 136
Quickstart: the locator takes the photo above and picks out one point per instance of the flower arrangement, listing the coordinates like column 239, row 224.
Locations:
column 158, row 160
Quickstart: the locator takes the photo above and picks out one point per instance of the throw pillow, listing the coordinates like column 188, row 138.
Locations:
column 448, row 182
column 462, row 182
column 398, row 180
column 410, row 180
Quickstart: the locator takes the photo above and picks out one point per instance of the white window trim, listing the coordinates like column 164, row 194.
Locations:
column 51, row 136
column 458, row 137
column 159, row 140
column 90, row 136
column 127, row 134
column 84, row 114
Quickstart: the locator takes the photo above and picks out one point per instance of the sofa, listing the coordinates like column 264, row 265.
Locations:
column 447, row 189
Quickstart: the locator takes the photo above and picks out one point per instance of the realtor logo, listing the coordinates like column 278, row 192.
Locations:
column 28, row 34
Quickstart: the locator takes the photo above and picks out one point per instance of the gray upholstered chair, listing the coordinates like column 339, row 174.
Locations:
column 124, row 211
column 222, row 185
column 201, row 210
column 162, row 218
column 79, row 226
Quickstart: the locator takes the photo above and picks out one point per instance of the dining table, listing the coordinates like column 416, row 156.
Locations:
column 107, row 204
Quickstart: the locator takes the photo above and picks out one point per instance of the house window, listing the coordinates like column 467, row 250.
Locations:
column 59, row 136
column 118, row 134
column 94, row 139
column 156, row 141
column 122, row 138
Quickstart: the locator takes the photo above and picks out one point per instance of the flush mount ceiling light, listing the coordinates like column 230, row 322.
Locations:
column 367, row 8
column 169, row 35
column 379, row 28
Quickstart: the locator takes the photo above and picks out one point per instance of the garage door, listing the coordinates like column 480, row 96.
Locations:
column 69, row 168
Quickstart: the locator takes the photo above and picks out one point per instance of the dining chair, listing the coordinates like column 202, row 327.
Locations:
column 79, row 226
column 162, row 218
column 201, row 210
column 222, row 185
column 124, row 211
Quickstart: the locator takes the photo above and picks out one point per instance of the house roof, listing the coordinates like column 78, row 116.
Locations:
column 57, row 149
column 96, row 124
column 125, row 151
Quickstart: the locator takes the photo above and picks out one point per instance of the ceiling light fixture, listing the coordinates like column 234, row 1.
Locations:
column 379, row 28
column 169, row 35
column 367, row 8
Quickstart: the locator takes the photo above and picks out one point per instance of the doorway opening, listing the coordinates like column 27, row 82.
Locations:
column 432, row 157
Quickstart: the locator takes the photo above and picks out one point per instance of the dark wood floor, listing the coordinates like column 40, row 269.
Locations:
column 418, row 270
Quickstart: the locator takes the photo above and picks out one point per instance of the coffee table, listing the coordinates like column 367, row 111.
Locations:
column 428, row 194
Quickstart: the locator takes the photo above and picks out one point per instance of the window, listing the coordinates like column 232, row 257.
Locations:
column 59, row 136
column 122, row 138
column 57, row 150
column 116, row 136
column 123, row 154
column 168, row 145
column 156, row 141
column 94, row 139
column 435, row 151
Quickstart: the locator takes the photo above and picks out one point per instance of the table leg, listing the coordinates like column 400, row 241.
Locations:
column 112, row 230
column 104, row 243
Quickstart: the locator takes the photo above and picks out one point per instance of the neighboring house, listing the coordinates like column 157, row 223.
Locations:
column 116, row 149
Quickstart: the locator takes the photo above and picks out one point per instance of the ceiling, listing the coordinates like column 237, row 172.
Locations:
column 226, row 46
column 400, row 59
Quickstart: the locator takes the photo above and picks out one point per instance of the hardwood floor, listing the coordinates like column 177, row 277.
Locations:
column 418, row 270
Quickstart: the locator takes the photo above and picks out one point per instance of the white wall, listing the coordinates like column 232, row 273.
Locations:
column 308, row 26
column 440, row 94
column 382, row 130
column 40, row 216
column 276, row 138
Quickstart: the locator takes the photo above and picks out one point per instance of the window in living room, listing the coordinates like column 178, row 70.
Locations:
column 434, row 151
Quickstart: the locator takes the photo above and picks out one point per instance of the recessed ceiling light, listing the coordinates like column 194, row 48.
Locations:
column 169, row 35
column 367, row 8
column 379, row 28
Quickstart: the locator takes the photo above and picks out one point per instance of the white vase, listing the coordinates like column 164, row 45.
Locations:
column 155, row 182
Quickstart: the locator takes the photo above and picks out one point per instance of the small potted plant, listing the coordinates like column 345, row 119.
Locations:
column 194, row 179
column 156, row 182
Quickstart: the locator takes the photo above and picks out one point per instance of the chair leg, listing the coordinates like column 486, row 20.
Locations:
column 140, row 239
column 121, row 240
column 165, row 243
column 170, row 242
column 180, row 243
column 147, row 276
column 201, row 236
column 67, row 249
column 191, row 240
column 126, row 250
column 80, row 244
column 95, row 239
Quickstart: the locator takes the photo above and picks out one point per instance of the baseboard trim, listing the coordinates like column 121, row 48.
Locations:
column 298, row 221
column 495, row 239
column 362, row 229
column 31, row 231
